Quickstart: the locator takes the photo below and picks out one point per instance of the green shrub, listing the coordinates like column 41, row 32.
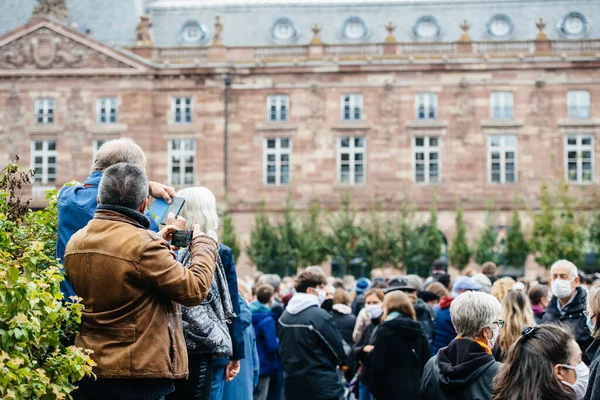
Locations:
column 517, row 248
column 486, row 243
column 35, row 362
column 229, row 237
column 460, row 253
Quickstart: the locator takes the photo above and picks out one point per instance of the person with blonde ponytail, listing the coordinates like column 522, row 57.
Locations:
column 516, row 314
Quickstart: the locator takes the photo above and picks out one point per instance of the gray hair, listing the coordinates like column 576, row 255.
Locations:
column 572, row 267
column 271, row 279
column 200, row 208
column 116, row 151
column 472, row 311
column 123, row 185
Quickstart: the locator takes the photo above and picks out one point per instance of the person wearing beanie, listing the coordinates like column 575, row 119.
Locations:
column 362, row 285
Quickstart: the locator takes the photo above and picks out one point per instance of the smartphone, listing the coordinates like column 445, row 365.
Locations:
column 160, row 209
column 181, row 238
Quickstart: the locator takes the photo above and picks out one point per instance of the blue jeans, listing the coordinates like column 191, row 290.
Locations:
column 364, row 393
column 218, row 383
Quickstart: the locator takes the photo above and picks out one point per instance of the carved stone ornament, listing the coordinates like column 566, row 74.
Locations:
column 53, row 8
column 316, row 29
column 142, row 32
column 217, row 39
column 45, row 48
column 541, row 25
column 541, row 107
column 464, row 105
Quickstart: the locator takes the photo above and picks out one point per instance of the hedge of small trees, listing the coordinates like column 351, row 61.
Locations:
column 355, row 245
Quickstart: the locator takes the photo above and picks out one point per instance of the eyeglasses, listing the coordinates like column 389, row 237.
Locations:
column 500, row 323
column 588, row 314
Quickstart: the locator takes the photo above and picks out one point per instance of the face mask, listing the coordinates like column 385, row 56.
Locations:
column 321, row 296
column 581, row 383
column 327, row 305
column 492, row 342
column 562, row 288
column 589, row 323
column 374, row 310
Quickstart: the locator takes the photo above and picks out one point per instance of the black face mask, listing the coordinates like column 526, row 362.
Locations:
column 327, row 305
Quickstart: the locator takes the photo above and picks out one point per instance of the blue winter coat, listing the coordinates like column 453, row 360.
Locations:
column 244, row 383
column 76, row 207
column 444, row 331
column 235, row 328
column 267, row 342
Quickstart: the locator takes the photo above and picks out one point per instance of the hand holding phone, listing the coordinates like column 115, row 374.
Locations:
column 161, row 209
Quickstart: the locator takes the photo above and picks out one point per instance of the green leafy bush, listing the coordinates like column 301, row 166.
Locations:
column 229, row 237
column 485, row 246
column 35, row 324
column 517, row 248
column 460, row 253
column 556, row 232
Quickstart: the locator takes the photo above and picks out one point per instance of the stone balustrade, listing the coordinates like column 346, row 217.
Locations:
column 371, row 51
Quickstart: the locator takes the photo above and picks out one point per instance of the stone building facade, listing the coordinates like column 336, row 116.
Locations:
column 469, row 118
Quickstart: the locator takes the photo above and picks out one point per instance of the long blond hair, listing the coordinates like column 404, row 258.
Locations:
column 516, row 313
column 594, row 309
column 501, row 287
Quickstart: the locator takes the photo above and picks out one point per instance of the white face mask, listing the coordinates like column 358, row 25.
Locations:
column 492, row 342
column 562, row 288
column 581, row 383
column 321, row 294
column 374, row 310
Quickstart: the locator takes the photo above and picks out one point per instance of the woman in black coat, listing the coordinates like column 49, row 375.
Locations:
column 400, row 352
column 342, row 315
column 593, row 352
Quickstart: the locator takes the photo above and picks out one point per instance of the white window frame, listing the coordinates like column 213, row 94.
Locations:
column 111, row 107
column 182, row 107
column 278, row 152
column 426, row 150
column 45, row 107
column 428, row 100
column 502, row 101
column 355, row 100
column 503, row 149
column 45, row 153
column 579, row 148
column 182, row 153
column 281, row 101
column 579, row 104
column 352, row 150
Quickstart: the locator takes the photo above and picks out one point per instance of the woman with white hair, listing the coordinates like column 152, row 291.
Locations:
column 213, row 330
column 465, row 369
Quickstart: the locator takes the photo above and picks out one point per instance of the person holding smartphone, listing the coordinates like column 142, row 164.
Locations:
column 131, row 285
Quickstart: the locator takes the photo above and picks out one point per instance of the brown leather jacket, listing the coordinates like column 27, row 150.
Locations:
column 130, row 284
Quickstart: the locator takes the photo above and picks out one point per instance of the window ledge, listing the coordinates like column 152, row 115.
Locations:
column 350, row 125
column 107, row 128
column 276, row 126
column 427, row 124
column 502, row 124
column 42, row 129
column 583, row 122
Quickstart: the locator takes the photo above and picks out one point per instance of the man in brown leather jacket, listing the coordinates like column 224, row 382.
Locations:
column 130, row 285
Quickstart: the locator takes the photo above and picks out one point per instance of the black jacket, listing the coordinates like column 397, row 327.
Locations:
column 426, row 318
column 358, row 304
column 461, row 371
column 397, row 361
column 345, row 324
column 367, row 337
column 574, row 317
column 310, row 350
column 593, row 353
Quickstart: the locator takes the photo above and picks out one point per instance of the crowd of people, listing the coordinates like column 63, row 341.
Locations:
column 178, row 323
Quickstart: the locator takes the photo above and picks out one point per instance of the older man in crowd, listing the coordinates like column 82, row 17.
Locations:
column 130, row 283
column 465, row 369
column 77, row 204
column 569, row 301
